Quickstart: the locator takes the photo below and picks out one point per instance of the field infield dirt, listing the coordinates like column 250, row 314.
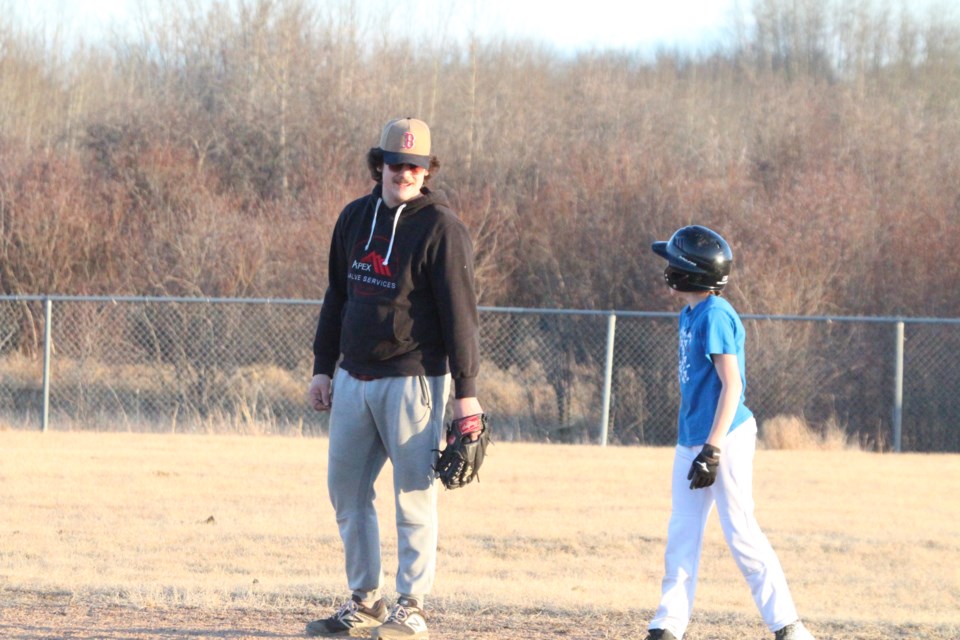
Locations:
column 36, row 616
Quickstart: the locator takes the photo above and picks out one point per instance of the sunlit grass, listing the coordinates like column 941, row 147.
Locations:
column 234, row 521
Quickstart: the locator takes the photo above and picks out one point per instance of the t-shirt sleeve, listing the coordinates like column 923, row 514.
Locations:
column 720, row 333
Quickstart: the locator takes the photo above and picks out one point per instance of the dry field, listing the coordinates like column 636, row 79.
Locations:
column 129, row 536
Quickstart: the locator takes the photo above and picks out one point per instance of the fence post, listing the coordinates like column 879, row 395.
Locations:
column 47, row 330
column 898, row 389
column 607, row 379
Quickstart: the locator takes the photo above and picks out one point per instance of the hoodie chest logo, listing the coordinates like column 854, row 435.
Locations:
column 372, row 262
column 369, row 275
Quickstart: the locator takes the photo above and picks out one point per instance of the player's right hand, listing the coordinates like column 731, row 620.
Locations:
column 321, row 392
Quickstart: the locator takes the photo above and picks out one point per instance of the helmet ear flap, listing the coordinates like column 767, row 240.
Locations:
column 674, row 278
column 681, row 280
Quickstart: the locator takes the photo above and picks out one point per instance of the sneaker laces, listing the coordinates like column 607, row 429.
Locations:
column 348, row 608
column 399, row 614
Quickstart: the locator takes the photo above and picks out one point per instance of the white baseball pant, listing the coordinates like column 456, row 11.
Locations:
column 732, row 492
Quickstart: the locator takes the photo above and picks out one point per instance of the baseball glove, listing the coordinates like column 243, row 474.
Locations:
column 460, row 461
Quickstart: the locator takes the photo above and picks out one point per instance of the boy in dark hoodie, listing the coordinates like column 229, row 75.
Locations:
column 401, row 309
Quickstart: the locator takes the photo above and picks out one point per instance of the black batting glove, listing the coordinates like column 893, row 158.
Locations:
column 703, row 471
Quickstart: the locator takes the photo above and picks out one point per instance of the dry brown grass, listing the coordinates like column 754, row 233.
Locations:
column 794, row 433
column 116, row 535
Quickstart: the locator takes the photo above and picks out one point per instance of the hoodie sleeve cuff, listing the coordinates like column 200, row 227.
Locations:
column 322, row 366
column 465, row 388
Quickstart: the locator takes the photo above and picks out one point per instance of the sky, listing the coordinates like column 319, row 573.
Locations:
column 567, row 25
column 620, row 24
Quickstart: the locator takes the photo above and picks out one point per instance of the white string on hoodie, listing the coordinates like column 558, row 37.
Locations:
column 374, row 225
column 393, row 233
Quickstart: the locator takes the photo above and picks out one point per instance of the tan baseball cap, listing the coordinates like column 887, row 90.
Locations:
column 406, row 141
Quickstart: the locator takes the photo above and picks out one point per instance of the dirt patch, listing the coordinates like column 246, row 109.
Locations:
column 42, row 616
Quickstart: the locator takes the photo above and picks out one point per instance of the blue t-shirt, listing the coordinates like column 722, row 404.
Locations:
column 712, row 326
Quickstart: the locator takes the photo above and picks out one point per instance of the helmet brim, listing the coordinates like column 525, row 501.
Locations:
column 660, row 248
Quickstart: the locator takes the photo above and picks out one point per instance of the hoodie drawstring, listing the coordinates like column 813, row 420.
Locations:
column 374, row 225
column 393, row 234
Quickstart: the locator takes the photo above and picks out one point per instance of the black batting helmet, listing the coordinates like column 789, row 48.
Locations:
column 699, row 259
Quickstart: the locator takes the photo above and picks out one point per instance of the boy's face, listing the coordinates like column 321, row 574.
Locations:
column 402, row 182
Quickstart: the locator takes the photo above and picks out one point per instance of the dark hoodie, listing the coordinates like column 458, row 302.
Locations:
column 400, row 299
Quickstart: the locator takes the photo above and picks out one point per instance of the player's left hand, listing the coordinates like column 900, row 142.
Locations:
column 703, row 471
column 459, row 462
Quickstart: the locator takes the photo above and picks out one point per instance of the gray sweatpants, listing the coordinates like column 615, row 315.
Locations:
column 370, row 421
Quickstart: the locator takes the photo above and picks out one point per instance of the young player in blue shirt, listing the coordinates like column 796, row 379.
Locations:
column 713, row 463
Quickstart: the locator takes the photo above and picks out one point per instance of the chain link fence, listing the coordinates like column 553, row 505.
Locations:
column 243, row 366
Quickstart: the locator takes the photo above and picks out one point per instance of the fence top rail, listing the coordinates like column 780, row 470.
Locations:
column 579, row 312
column 872, row 319
column 745, row 316
column 516, row 310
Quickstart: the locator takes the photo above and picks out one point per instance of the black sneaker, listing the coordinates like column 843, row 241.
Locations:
column 661, row 634
column 352, row 620
column 406, row 621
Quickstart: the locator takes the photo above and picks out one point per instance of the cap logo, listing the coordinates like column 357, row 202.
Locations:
column 408, row 140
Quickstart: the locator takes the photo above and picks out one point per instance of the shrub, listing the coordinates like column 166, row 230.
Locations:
column 794, row 433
